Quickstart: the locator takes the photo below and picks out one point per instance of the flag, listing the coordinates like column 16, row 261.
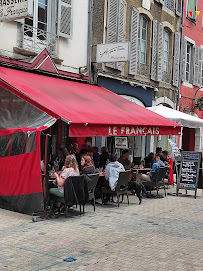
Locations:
column 190, row 12
column 198, row 13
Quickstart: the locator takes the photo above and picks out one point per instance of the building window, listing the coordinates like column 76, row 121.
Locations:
column 191, row 7
column 169, row 4
column 142, row 40
column 188, row 61
column 39, row 20
column 166, row 50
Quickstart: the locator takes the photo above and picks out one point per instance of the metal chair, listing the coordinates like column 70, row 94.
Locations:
column 159, row 181
column 91, row 187
column 121, row 187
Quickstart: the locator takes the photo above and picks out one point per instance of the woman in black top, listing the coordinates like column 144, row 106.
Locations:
column 87, row 165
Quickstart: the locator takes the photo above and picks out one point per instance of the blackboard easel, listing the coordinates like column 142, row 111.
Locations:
column 189, row 171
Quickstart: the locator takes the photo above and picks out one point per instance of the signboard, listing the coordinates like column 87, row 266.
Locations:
column 113, row 52
column 174, row 148
column 190, row 167
column 15, row 9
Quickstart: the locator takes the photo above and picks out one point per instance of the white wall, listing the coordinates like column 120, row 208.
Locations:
column 8, row 35
column 74, row 51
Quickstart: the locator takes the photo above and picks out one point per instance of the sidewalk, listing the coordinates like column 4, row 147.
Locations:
column 160, row 234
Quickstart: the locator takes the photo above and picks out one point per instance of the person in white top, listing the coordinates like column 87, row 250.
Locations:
column 112, row 171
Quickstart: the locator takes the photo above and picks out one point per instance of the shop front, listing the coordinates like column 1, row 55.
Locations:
column 33, row 102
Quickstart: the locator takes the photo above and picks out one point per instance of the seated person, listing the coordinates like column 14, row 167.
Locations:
column 80, row 155
column 70, row 169
column 104, row 156
column 96, row 156
column 87, row 165
column 151, row 176
column 169, row 163
column 112, row 174
column 124, row 160
column 149, row 160
column 112, row 171
column 159, row 150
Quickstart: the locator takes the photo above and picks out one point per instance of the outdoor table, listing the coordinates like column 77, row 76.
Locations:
column 140, row 170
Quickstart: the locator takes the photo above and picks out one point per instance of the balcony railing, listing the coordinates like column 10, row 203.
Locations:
column 35, row 40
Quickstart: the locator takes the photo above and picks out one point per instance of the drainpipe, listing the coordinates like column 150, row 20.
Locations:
column 89, row 39
column 181, row 48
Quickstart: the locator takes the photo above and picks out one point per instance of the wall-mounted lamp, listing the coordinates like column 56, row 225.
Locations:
column 156, row 89
column 131, row 84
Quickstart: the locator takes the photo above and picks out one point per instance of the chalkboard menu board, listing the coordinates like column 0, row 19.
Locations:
column 189, row 174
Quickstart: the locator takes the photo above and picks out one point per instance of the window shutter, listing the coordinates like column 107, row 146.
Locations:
column 200, row 67
column 196, row 65
column 160, row 52
column 176, row 59
column 112, row 26
column 65, row 18
column 121, row 25
column 134, row 40
column 184, row 46
column 154, row 51
column 179, row 7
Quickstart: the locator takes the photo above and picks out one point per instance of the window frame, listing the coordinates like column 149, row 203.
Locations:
column 140, row 30
column 188, row 15
column 167, row 51
column 188, row 73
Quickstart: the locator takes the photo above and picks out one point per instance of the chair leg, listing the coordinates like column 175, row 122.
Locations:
column 94, row 202
column 66, row 211
column 83, row 209
column 102, row 198
column 118, row 199
column 80, row 210
column 128, row 198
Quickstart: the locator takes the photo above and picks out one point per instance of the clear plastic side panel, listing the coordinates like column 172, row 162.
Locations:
column 17, row 143
column 16, row 112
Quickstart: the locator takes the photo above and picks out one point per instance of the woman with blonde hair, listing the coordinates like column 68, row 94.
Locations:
column 70, row 169
column 87, row 165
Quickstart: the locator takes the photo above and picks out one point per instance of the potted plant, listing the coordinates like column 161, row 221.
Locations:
column 198, row 104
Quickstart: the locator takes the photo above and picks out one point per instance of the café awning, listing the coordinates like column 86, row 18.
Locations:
column 88, row 109
column 181, row 118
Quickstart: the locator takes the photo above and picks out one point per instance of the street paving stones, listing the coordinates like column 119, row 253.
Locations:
column 160, row 234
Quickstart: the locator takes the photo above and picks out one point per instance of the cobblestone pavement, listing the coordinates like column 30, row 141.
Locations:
column 160, row 234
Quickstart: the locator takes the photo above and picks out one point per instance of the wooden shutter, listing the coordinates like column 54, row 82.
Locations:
column 200, row 67
column 160, row 52
column 176, row 59
column 154, row 51
column 121, row 25
column 184, row 47
column 112, row 25
column 196, row 65
column 65, row 18
column 134, row 40
column 179, row 7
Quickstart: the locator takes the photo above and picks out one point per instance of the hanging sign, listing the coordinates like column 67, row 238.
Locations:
column 189, row 175
column 114, row 52
column 11, row 10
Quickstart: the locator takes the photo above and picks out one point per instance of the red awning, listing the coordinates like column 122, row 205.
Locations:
column 90, row 110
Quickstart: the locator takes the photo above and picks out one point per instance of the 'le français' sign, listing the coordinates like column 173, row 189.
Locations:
column 15, row 9
column 133, row 131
